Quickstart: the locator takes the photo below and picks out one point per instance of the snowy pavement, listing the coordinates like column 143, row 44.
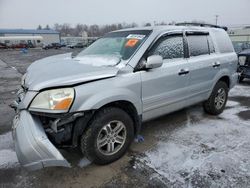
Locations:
column 8, row 158
column 206, row 151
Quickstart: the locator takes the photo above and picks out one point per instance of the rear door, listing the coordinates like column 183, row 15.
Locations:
column 203, row 65
column 165, row 89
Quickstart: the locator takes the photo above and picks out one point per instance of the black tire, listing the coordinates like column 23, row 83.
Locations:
column 89, row 139
column 210, row 106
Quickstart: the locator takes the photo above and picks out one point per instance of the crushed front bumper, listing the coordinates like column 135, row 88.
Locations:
column 33, row 148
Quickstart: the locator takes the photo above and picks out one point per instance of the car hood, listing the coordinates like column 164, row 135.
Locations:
column 62, row 70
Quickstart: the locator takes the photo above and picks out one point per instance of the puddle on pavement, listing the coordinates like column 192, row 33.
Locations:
column 245, row 115
column 243, row 100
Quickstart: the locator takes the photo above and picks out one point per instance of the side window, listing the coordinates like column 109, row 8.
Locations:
column 169, row 47
column 198, row 45
column 210, row 44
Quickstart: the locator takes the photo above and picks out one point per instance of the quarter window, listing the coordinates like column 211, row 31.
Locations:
column 169, row 47
column 223, row 41
column 198, row 45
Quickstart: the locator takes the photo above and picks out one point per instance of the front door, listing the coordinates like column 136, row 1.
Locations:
column 165, row 89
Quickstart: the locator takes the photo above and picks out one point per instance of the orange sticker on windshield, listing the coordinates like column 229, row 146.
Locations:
column 131, row 42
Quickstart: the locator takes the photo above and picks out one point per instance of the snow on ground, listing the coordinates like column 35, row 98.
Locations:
column 84, row 162
column 6, row 141
column 240, row 90
column 8, row 158
column 208, row 151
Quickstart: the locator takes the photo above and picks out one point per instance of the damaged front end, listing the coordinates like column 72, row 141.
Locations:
column 37, row 135
column 33, row 148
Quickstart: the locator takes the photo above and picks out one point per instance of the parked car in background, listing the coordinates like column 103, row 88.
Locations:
column 240, row 46
column 98, row 100
column 3, row 46
column 244, row 65
column 52, row 46
column 77, row 45
column 47, row 46
column 19, row 45
column 63, row 44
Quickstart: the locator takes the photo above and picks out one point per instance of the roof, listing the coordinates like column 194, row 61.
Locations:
column 159, row 29
column 21, row 38
column 155, row 28
column 201, row 25
column 27, row 31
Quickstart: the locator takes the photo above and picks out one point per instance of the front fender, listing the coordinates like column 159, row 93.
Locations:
column 95, row 101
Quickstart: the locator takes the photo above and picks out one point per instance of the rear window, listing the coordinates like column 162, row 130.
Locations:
column 198, row 45
column 223, row 41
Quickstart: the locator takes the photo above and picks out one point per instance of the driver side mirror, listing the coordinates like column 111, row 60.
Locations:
column 154, row 61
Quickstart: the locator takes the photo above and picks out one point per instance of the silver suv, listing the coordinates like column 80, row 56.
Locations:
column 99, row 99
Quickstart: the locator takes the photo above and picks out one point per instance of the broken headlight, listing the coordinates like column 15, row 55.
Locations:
column 55, row 100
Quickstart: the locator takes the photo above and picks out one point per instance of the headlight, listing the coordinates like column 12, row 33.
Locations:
column 56, row 100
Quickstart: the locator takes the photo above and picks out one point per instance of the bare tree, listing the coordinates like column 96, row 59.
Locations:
column 79, row 29
column 92, row 30
column 66, row 30
column 39, row 27
column 147, row 24
column 47, row 27
column 57, row 27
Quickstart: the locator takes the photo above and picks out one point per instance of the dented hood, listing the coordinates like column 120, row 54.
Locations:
column 62, row 70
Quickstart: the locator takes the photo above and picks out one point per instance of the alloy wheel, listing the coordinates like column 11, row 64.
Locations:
column 220, row 98
column 111, row 137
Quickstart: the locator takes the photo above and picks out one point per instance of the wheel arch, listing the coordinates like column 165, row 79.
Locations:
column 129, row 108
column 82, row 123
column 225, row 79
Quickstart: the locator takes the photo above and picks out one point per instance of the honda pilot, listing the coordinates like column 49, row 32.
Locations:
column 98, row 100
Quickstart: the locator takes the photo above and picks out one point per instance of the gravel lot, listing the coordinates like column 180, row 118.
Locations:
column 187, row 148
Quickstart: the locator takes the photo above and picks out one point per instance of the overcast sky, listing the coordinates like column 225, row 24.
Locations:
column 31, row 13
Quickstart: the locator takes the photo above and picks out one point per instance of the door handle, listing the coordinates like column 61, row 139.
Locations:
column 183, row 72
column 216, row 64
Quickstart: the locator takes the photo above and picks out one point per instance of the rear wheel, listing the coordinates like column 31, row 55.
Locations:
column 108, row 137
column 217, row 100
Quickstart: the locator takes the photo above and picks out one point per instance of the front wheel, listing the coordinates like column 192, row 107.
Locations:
column 217, row 100
column 108, row 137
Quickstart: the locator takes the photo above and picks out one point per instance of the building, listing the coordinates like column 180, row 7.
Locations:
column 36, row 37
column 240, row 38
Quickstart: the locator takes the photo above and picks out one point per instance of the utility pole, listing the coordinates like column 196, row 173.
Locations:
column 216, row 19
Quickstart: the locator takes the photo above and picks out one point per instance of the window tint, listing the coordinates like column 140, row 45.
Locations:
column 169, row 47
column 210, row 44
column 198, row 45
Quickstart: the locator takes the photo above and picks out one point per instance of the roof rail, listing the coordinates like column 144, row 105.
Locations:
column 201, row 25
